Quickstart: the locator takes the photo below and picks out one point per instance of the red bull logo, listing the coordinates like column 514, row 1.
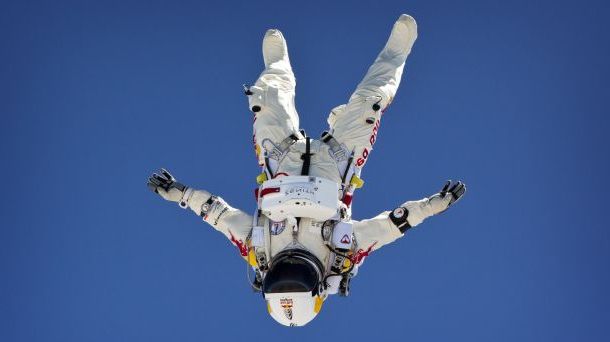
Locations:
column 286, row 304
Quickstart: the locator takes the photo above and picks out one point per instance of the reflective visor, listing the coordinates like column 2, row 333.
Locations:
column 291, row 274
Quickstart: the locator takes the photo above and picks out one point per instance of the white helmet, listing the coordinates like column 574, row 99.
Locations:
column 293, row 309
column 291, row 287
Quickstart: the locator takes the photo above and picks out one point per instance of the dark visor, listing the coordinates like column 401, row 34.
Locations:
column 291, row 274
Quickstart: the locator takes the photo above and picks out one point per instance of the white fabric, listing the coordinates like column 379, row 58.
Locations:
column 197, row 199
column 173, row 195
column 422, row 209
column 322, row 164
column 375, row 232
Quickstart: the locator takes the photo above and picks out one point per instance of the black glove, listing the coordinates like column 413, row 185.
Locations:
column 164, row 184
column 455, row 190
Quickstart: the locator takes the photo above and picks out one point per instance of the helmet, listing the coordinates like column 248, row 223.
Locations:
column 291, row 287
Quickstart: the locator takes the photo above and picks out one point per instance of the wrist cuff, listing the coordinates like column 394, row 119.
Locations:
column 399, row 216
column 205, row 207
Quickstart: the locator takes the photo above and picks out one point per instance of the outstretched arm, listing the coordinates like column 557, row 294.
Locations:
column 233, row 223
column 391, row 225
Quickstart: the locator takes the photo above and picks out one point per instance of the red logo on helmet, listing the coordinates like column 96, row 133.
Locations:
column 286, row 304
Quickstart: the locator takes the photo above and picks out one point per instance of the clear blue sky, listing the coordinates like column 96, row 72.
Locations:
column 509, row 96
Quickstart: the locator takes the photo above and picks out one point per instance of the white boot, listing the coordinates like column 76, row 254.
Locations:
column 275, row 49
column 402, row 37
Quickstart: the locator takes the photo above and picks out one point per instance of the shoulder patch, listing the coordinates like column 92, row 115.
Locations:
column 277, row 227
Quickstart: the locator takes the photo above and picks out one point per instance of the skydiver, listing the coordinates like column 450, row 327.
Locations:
column 302, row 242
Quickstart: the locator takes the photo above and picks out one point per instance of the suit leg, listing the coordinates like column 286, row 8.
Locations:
column 272, row 97
column 356, row 124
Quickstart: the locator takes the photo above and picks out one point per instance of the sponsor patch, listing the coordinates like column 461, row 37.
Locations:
column 277, row 227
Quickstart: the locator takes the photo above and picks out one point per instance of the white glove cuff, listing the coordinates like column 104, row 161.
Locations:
column 197, row 199
column 438, row 203
column 186, row 196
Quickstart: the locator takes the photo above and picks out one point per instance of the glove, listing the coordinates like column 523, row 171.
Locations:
column 456, row 191
column 164, row 184
column 449, row 194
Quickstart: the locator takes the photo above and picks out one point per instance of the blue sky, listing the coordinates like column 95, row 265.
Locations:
column 510, row 97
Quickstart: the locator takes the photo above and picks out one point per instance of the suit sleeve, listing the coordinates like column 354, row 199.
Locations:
column 371, row 234
column 375, row 232
column 232, row 222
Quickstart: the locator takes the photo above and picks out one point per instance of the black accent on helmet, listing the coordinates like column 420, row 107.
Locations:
column 293, row 270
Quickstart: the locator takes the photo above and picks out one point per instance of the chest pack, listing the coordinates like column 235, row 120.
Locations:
column 299, row 196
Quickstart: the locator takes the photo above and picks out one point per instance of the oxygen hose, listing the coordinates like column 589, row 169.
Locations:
column 250, row 282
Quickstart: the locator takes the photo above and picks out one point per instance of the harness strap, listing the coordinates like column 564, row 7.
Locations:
column 348, row 168
column 273, row 157
column 279, row 150
column 306, row 157
column 335, row 147
column 345, row 165
column 289, row 140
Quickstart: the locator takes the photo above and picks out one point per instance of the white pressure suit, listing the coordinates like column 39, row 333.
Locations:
column 338, row 156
